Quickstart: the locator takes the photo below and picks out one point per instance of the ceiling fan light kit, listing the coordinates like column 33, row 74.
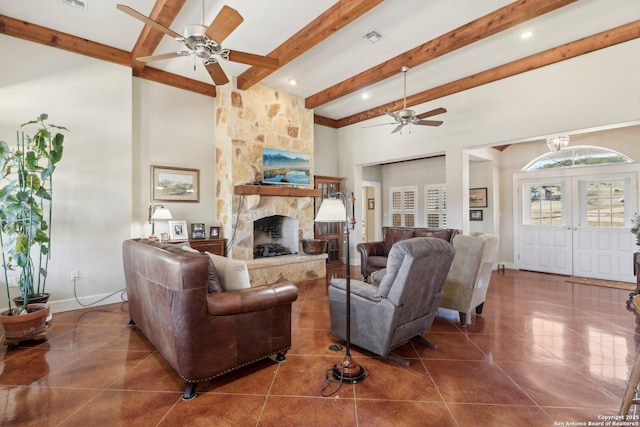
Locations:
column 206, row 43
column 406, row 116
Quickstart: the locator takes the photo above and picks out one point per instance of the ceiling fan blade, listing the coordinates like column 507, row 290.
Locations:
column 227, row 20
column 217, row 74
column 432, row 113
column 159, row 57
column 397, row 129
column 151, row 22
column 429, row 122
column 393, row 114
column 379, row 124
column 251, row 59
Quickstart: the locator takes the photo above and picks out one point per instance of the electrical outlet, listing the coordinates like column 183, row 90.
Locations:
column 75, row 275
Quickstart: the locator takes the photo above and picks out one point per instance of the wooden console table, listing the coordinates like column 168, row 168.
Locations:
column 214, row 246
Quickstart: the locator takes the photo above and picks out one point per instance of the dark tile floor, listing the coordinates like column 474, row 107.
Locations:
column 544, row 352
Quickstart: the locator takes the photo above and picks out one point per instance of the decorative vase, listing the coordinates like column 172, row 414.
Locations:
column 31, row 325
column 314, row 246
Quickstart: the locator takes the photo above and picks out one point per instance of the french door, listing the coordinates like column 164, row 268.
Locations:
column 577, row 225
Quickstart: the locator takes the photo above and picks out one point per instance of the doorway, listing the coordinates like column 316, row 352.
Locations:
column 577, row 223
column 371, row 211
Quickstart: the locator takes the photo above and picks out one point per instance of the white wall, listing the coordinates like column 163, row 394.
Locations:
column 176, row 128
column 119, row 127
column 92, row 183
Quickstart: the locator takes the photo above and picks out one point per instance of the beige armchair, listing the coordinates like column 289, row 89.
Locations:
column 466, row 285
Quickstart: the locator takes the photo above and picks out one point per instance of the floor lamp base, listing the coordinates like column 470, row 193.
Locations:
column 348, row 371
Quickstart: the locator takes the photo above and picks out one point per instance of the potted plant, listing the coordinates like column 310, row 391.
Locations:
column 635, row 227
column 25, row 218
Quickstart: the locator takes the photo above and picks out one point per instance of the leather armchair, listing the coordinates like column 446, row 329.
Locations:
column 468, row 280
column 403, row 307
column 373, row 255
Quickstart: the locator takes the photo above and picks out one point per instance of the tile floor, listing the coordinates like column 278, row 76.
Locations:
column 545, row 352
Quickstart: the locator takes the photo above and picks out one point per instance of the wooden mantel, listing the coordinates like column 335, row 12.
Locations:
column 274, row 190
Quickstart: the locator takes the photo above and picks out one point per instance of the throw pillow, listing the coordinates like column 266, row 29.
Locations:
column 233, row 274
column 213, row 281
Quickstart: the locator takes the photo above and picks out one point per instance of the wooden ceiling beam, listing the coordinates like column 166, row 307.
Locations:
column 332, row 20
column 481, row 28
column 174, row 80
column 163, row 12
column 570, row 50
column 46, row 36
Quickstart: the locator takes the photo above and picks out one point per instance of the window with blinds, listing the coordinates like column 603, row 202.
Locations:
column 403, row 206
column 435, row 196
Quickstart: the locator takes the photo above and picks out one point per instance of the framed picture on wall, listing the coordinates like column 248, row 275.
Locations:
column 178, row 230
column 475, row 215
column 478, row 198
column 371, row 204
column 169, row 184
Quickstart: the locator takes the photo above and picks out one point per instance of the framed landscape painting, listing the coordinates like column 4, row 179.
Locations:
column 170, row 184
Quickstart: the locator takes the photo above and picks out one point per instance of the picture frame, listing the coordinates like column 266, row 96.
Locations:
column 371, row 204
column 164, row 237
column 171, row 184
column 178, row 230
column 198, row 231
column 214, row 232
column 475, row 215
column 478, row 198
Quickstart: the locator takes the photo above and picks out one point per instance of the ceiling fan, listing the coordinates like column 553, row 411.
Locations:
column 206, row 43
column 408, row 117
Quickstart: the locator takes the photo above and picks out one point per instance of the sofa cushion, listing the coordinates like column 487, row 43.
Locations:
column 233, row 274
column 444, row 234
column 394, row 235
column 213, row 281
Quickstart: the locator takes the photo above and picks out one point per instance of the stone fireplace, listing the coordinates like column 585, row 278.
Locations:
column 246, row 122
column 275, row 235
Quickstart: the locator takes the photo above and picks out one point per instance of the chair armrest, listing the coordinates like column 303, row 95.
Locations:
column 251, row 299
column 359, row 288
column 371, row 249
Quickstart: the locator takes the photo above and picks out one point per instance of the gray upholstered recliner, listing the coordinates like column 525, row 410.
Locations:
column 403, row 306
column 466, row 286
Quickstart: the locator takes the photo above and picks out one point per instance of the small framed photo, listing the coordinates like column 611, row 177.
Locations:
column 198, row 231
column 475, row 215
column 164, row 237
column 371, row 204
column 214, row 232
column 169, row 184
column 178, row 230
column 478, row 198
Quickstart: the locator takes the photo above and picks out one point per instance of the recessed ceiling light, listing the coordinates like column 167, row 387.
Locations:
column 364, row 96
column 292, row 82
column 372, row 36
column 526, row 35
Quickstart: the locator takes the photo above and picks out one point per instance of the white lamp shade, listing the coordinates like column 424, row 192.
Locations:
column 161, row 213
column 332, row 210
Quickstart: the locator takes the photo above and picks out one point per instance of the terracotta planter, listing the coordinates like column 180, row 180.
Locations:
column 27, row 326
column 33, row 299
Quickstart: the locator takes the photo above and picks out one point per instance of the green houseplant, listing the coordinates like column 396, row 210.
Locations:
column 25, row 211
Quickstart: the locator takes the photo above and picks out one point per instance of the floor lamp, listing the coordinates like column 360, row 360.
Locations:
column 335, row 210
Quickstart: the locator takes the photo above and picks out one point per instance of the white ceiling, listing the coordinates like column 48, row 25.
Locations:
column 404, row 25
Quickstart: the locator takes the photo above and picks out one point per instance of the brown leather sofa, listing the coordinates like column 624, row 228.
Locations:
column 373, row 255
column 202, row 334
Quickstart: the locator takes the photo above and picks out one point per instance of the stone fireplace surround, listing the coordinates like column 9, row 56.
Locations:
column 246, row 122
